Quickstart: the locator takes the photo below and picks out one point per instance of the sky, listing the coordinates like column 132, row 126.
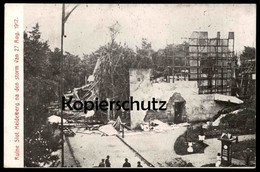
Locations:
column 87, row 27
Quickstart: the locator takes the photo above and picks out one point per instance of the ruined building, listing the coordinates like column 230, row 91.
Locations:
column 210, row 62
column 184, row 103
column 205, row 60
column 195, row 81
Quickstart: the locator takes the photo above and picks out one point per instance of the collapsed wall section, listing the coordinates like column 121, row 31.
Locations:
column 197, row 107
column 140, row 90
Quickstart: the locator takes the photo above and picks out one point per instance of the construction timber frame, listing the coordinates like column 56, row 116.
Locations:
column 113, row 82
column 208, row 61
column 245, row 76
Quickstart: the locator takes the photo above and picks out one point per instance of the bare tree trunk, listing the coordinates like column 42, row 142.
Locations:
column 112, row 79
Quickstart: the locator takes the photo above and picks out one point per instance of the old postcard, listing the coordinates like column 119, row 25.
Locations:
column 130, row 85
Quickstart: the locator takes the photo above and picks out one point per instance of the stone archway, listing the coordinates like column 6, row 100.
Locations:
column 176, row 108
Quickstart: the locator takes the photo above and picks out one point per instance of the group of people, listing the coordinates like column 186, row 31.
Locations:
column 106, row 163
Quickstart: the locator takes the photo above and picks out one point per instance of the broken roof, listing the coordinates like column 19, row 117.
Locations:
column 225, row 98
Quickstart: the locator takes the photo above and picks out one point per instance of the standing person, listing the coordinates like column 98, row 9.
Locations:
column 218, row 163
column 139, row 164
column 201, row 135
column 126, row 164
column 108, row 162
column 102, row 163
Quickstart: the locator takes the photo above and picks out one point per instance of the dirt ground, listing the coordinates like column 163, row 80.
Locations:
column 89, row 149
column 155, row 147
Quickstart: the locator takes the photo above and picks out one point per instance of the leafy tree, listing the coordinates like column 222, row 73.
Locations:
column 40, row 145
column 144, row 55
column 87, row 65
column 41, row 86
column 247, row 56
column 39, row 90
column 54, row 65
column 245, row 70
column 35, row 54
column 72, row 70
column 113, row 72
column 171, row 55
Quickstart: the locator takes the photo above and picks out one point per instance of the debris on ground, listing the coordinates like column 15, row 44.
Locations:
column 86, row 131
column 226, row 98
column 56, row 119
column 108, row 130
column 117, row 124
column 217, row 121
column 207, row 125
column 68, row 132
column 176, row 162
column 158, row 125
column 111, row 122
column 180, row 125
column 144, row 126
column 92, row 127
column 155, row 125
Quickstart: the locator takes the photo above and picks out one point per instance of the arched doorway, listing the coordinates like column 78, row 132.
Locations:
column 179, row 112
column 176, row 108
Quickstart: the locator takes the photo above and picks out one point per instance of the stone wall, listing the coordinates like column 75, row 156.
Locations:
column 197, row 107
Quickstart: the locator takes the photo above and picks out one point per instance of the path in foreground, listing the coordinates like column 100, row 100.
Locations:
column 89, row 149
column 157, row 148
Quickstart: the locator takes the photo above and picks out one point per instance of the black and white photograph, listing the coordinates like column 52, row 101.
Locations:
column 130, row 85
